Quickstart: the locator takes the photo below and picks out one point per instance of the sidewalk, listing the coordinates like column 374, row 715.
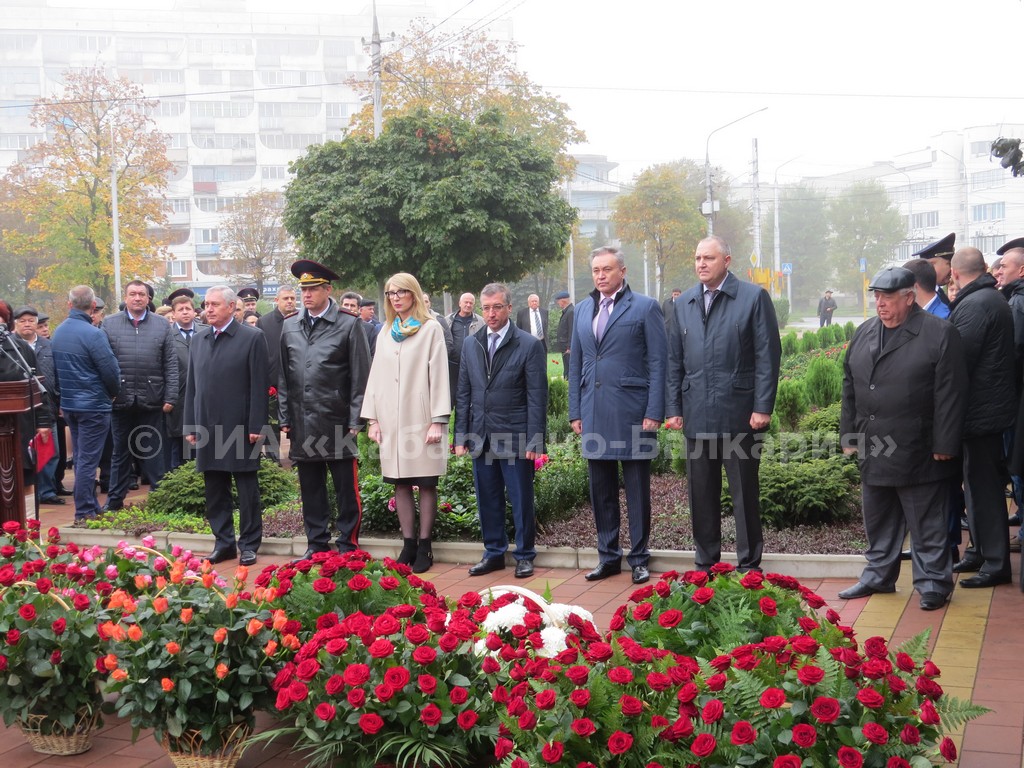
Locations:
column 975, row 641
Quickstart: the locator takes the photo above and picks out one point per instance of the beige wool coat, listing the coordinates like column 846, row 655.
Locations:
column 406, row 392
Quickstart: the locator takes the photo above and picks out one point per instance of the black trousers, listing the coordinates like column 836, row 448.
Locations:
column 740, row 455
column 604, row 498
column 316, row 512
column 984, row 484
column 219, row 509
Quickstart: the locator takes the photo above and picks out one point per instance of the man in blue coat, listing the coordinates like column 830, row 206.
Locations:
column 501, row 410
column 616, row 403
column 723, row 373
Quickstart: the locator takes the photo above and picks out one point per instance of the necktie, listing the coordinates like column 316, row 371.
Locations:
column 709, row 299
column 539, row 332
column 135, row 322
column 602, row 317
column 493, row 346
column 216, row 334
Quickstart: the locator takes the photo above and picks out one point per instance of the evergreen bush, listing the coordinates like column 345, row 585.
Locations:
column 790, row 402
column 182, row 491
column 823, row 381
column 823, row 419
column 849, row 329
column 809, row 341
column 790, row 344
column 781, row 311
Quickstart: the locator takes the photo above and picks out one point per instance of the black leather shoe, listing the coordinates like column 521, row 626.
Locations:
column 220, row 555
column 62, row 491
column 967, row 566
column 487, row 565
column 984, row 580
column 858, row 590
column 524, row 569
column 1013, row 519
column 308, row 555
column 133, row 486
column 111, row 508
column 603, row 571
column 932, row 601
column 52, row 500
column 905, row 554
column 964, row 524
column 248, row 558
column 640, row 574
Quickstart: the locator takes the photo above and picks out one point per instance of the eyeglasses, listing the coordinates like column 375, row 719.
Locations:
column 401, row 293
column 492, row 308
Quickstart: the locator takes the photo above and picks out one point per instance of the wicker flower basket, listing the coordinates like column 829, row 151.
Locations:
column 186, row 751
column 51, row 738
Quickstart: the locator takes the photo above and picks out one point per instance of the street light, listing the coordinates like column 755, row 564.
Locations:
column 778, row 236
column 708, row 208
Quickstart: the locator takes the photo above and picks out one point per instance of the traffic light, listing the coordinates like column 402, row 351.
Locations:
column 1010, row 154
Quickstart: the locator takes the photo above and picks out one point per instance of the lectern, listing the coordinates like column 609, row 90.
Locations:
column 16, row 397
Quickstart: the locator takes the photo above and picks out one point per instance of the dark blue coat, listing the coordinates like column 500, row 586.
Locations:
column 85, row 368
column 502, row 403
column 615, row 385
column 723, row 370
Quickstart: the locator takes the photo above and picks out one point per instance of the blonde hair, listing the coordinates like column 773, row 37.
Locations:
column 409, row 283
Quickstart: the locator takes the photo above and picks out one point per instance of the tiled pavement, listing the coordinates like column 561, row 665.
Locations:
column 975, row 641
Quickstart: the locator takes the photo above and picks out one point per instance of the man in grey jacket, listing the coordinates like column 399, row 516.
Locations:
column 144, row 349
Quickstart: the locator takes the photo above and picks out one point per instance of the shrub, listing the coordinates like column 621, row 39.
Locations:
column 822, row 420
column 849, row 329
column 781, row 311
column 812, row 492
column 790, row 402
column 809, row 341
column 790, row 344
column 671, row 447
column 369, row 455
column 183, row 492
column 561, row 486
column 824, row 381
column 558, row 397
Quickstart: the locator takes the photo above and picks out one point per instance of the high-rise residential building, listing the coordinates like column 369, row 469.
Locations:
column 241, row 94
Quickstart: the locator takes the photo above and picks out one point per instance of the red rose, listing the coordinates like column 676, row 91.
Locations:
column 620, row 675
column 804, row 644
column 702, row 595
column 527, row 721
column 371, row 723
column 897, row 762
column 658, row 681
column 324, row 586
column 384, row 692
column 386, row 624
column 743, row 733
column 712, row 711
column 336, row 646
column 397, row 677
column 427, row 684
column 948, row 749
column 325, row 711
column 752, row 580
column 359, row 582
column 503, row 747
column 928, row 714
column 356, row 697
column 356, row 674
column 616, row 624
column 552, row 752
column 703, row 745
column 787, row 761
column 334, row 685
column 928, row 687
column 80, row 602
column 875, row 733
column 825, row 709
column 805, row 736
column 905, row 662
column 630, row 706
column 599, row 652
column 27, row 612
column 687, row 693
column 910, row 735
column 810, row 675
column 849, row 757
column 643, row 611
column 578, row 674
column 583, row 727
column 875, row 647
column 875, row 669
column 272, row 391
column 768, row 606
column 580, row 697
column 388, row 583
column 870, row 698
column 59, row 626
column 431, row 715
column 307, row 669
column 619, row 743
column 697, row 578
column 773, row 698
column 670, row 618
column 716, row 682
column 467, row 719
column 424, row 655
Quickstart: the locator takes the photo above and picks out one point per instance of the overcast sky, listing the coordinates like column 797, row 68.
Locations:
column 845, row 84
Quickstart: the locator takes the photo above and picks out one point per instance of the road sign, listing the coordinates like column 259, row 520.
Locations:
column 787, row 268
column 754, row 260
column 863, row 265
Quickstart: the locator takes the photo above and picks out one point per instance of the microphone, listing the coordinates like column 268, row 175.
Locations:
column 3, row 327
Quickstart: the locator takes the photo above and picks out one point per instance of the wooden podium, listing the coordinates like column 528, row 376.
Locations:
column 16, row 397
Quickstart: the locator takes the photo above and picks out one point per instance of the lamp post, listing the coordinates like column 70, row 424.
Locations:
column 114, row 220
column 778, row 235
column 708, row 209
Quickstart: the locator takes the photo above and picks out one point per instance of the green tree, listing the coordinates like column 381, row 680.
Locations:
column 253, row 235
column 62, row 191
column 863, row 223
column 454, row 202
column 804, row 242
column 464, row 76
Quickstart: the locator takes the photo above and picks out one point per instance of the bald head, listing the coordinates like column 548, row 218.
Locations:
column 1013, row 265
column 967, row 265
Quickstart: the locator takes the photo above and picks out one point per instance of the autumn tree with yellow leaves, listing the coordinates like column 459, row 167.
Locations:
column 60, row 193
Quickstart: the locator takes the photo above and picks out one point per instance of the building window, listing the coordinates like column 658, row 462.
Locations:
column 290, row 140
column 981, row 148
column 214, row 204
column 988, row 179
column 923, row 220
column 19, row 140
column 17, row 42
column 167, row 108
column 341, row 47
column 988, row 212
column 289, row 109
column 208, row 235
column 221, row 108
column 286, row 46
column 177, row 205
column 987, row 243
column 224, row 140
column 19, row 76
column 149, row 44
column 274, row 172
column 177, row 268
column 223, row 172
column 220, row 45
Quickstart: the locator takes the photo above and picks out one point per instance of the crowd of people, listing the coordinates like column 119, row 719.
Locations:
column 145, row 390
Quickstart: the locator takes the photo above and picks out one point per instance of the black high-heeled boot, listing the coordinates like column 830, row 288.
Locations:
column 408, row 554
column 424, row 557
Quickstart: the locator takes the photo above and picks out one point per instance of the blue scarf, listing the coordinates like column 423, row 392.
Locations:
column 401, row 331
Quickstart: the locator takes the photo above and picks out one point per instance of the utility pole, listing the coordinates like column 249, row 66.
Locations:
column 375, row 71
column 755, row 195
column 114, row 221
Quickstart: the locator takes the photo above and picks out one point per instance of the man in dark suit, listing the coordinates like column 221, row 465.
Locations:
column 499, row 420
column 905, row 387
column 723, row 372
column 617, row 402
column 534, row 320
column 183, row 329
column 271, row 324
column 563, row 335
column 225, row 412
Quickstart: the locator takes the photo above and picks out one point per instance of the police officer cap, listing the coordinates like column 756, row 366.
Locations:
column 187, row 292
column 26, row 310
column 249, row 293
column 1017, row 243
column 561, row 295
column 310, row 273
column 892, row 279
column 940, row 248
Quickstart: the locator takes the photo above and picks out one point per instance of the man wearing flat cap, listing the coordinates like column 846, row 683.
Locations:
column 325, row 361
column 563, row 335
column 904, row 398
column 939, row 254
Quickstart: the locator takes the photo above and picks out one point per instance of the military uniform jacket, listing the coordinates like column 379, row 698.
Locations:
column 913, row 393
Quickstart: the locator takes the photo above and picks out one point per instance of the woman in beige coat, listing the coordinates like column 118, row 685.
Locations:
column 407, row 405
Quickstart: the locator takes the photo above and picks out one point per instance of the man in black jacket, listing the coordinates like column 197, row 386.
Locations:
column 183, row 330
column 325, row 361
column 271, row 324
column 985, row 323
column 563, row 336
column 144, row 349
column 499, row 420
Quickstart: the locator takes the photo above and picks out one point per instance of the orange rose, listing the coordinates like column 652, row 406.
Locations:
column 134, row 633
column 270, row 648
column 241, row 573
column 291, row 642
column 186, row 615
column 141, row 582
column 161, row 582
column 110, row 662
column 160, row 605
column 172, row 648
column 253, row 627
column 221, row 671
column 231, row 599
column 119, row 675
column 207, row 580
column 220, row 635
column 167, row 684
column 280, row 619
